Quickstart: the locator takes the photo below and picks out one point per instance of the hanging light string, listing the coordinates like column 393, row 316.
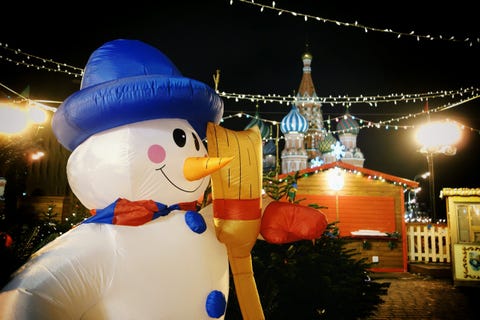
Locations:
column 37, row 103
column 348, row 101
column 393, row 123
column 345, row 100
column 363, row 123
column 274, row 98
column 412, row 34
column 28, row 60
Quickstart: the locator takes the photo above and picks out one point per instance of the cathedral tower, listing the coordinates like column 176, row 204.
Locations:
column 294, row 155
column 310, row 107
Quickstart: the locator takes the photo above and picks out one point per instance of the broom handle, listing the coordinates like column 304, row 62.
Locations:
column 236, row 193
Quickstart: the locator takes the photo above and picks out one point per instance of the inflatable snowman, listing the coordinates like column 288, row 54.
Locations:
column 135, row 129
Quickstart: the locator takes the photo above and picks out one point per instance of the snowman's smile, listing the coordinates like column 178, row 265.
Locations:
column 176, row 186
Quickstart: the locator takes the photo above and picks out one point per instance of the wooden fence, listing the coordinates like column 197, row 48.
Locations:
column 428, row 243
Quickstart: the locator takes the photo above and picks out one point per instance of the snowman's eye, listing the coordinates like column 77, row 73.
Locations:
column 179, row 137
column 197, row 143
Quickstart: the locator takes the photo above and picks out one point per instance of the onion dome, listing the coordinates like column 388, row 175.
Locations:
column 325, row 145
column 294, row 122
column 269, row 148
column 264, row 129
column 348, row 124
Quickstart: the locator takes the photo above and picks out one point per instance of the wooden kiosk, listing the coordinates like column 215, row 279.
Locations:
column 463, row 217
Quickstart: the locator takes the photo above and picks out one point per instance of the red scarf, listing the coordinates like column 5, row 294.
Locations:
column 135, row 213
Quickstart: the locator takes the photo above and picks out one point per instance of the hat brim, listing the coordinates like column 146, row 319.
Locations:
column 133, row 99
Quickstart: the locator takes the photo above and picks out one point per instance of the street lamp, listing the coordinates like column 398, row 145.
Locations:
column 437, row 137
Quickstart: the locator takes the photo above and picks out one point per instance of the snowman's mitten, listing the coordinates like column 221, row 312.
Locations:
column 285, row 222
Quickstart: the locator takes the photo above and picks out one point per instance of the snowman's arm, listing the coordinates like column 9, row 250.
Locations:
column 61, row 281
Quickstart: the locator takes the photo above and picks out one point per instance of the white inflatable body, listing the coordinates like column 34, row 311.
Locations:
column 159, row 270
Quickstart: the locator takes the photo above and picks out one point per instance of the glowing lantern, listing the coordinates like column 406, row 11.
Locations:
column 335, row 179
column 438, row 136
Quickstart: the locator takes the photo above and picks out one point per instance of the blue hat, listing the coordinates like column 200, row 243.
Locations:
column 127, row 81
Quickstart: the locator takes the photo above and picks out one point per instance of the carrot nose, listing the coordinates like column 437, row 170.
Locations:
column 196, row 168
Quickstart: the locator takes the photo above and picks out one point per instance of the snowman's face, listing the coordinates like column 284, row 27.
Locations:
column 139, row 161
column 169, row 154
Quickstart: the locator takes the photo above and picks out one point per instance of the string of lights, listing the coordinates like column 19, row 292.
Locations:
column 369, row 174
column 392, row 123
column 28, row 60
column 29, row 101
column 345, row 100
column 348, row 101
column 363, row 123
column 275, row 98
column 412, row 34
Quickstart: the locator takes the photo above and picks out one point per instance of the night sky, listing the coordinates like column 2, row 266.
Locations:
column 260, row 53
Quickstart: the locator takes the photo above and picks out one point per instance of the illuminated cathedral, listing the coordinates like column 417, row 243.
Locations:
column 308, row 143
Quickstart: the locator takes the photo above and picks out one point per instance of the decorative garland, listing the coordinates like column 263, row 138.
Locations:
column 348, row 101
column 363, row 123
column 32, row 61
column 412, row 34
column 50, row 65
